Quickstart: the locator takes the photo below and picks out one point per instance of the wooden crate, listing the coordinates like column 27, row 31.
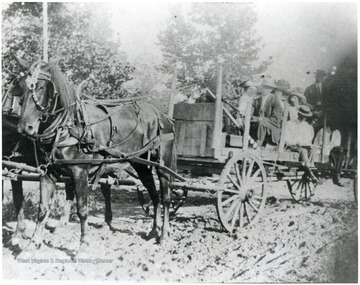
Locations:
column 194, row 127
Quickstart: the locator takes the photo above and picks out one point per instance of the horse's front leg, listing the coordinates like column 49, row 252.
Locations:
column 18, row 199
column 47, row 187
column 79, row 175
column 166, row 200
column 70, row 195
column 106, row 190
column 147, row 179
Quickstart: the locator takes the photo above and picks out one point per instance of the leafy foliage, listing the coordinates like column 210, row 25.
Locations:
column 209, row 35
column 79, row 35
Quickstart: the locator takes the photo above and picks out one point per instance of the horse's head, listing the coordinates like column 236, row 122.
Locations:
column 12, row 97
column 38, row 99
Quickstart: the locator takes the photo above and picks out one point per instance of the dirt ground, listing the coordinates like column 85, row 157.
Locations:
column 315, row 241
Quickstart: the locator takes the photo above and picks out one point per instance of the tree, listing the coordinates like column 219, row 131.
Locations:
column 79, row 35
column 208, row 35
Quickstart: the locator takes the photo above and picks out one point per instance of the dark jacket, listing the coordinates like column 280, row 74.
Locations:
column 313, row 96
column 272, row 110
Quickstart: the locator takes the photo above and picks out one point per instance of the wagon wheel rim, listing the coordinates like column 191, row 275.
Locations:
column 301, row 189
column 243, row 192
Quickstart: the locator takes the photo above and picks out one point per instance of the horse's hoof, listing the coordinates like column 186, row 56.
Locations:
column 25, row 255
column 153, row 235
column 59, row 228
column 15, row 241
column 165, row 239
column 30, row 250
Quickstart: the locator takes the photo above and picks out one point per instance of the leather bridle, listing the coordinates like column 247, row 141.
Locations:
column 32, row 80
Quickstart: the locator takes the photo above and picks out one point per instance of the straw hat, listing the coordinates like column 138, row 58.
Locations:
column 305, row 111
column 301, row 97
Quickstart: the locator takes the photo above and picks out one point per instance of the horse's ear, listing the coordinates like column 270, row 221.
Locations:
column 23, row 63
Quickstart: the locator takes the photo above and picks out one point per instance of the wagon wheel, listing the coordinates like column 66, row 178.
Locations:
column 243, row 191
column 178, row 198
column 301, row 189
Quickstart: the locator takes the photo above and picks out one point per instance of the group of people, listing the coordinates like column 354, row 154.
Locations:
column 303, row 132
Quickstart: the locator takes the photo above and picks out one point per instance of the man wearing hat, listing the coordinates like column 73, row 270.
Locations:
column 267, row 115
column 314, row 92
column 298, row 138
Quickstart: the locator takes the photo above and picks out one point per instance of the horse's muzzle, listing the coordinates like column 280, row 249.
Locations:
column 26, row 128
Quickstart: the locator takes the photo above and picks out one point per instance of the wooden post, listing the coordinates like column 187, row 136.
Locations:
column 45, row 32
column 324, row 140
column 348, row 148
column 172, row 94
column 216, row 144
column 247, row 126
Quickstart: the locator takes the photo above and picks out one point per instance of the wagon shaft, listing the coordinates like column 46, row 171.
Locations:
column 21, row 166
column 195, row 187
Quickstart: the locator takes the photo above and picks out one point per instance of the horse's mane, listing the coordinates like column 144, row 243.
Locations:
column 66, row 90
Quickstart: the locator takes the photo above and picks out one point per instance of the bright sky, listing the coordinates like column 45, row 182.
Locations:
column 301, row 37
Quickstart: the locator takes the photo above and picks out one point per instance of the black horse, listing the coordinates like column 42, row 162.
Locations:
column 18, row 148
column 82, row 139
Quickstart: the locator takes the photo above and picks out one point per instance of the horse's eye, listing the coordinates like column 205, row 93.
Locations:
column 41, row 88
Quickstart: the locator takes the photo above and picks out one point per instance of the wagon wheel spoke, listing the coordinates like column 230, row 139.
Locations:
column 235, row 216
column 233, row 181
column 246, row 214
column 232, row 198
column 252, row 178
column 251, row 166
column 243, row 170
column 256, row 186
column 306, row 189
column 231, row 191
column 301, row 189
column 253, row 206
column 256, row 201
column 241, row 215
column 236, row 166
column 231, row 209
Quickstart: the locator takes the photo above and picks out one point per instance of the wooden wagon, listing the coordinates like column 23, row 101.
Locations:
column 241, row 173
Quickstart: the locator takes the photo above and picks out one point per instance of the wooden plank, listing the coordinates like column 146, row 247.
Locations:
column 247, row 127
column 172, row 94
column 194, row 112
column 216, row 143
column 203, row 140
column 181, row 138
column 324, row 140
column 283, row 127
